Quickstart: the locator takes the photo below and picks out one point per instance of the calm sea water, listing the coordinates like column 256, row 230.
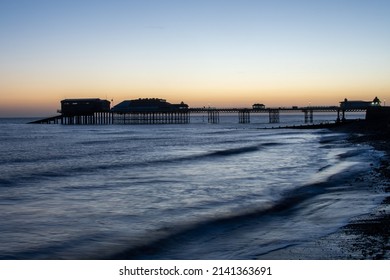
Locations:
column 196, row 191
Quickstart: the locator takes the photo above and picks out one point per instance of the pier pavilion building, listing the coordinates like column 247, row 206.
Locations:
column 150, row 111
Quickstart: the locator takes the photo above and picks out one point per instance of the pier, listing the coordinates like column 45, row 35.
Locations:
column 244, row 114
column 95, row 111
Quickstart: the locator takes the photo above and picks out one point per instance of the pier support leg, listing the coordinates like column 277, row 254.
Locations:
column 274, row 116
column 213, row 116
column 244, row 116
column 308, row 116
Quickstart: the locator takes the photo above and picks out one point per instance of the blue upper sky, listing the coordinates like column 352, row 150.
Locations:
column 197, row 49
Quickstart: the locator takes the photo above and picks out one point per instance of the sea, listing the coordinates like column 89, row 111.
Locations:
column 184, row 191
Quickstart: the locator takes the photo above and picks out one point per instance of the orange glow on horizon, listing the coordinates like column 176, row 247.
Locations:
column 46, row 102
column 39, row 92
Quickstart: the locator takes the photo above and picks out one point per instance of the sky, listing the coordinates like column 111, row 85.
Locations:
column 216, row 53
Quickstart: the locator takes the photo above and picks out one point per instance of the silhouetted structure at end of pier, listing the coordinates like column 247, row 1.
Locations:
column 86, row 111
column 81, row 111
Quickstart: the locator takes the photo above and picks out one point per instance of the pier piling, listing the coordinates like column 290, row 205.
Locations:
column 213, row 116
column 274, row 116
column 244, row 116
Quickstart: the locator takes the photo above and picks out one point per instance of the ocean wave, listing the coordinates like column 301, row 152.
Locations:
column 169, row 238
column 54, row 167
column 351, row 154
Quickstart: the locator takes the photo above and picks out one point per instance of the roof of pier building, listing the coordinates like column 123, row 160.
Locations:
column 84, row 106
column 148, row 105
column 258, row 106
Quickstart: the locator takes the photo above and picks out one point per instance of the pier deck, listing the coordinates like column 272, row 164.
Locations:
column 184, row 116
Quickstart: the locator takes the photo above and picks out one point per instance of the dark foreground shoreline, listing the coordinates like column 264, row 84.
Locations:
column 365, row 237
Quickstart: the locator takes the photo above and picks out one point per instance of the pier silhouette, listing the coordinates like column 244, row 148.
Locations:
column 95, row 111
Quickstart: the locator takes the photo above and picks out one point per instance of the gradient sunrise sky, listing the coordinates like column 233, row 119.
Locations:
column 205, row 53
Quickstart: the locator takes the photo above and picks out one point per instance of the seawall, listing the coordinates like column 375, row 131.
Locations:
column 378, row 115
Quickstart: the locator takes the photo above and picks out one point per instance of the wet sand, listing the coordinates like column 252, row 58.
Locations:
column 364, row 237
